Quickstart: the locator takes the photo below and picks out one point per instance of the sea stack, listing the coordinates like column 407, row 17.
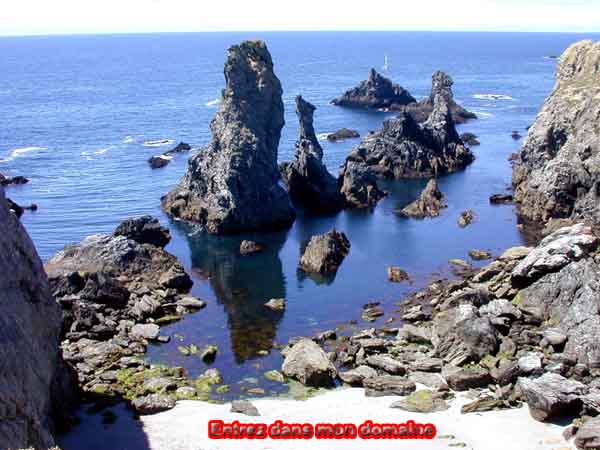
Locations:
column 232, row 186
column 441, row 84
column 557, row 172
column 376, row 92
column 309, row 183
column 33, row 375
column 406, row 149
column 429, row 204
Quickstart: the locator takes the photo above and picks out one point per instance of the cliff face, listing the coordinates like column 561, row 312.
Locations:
column 557, row 173
column 232, row 185
column 30, row 323
column 309, row 182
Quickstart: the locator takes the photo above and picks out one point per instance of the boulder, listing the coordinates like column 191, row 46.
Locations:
column 342, row 134
column 309, row 364
column 466, row 218
column 424, row 401
column 557, row 170
column 588, row 435
column 276, row 304
column 325, row 253
column 250, row 248
column 152, row 404
column 34, row 380
column 387, row 364
column 552, row 396
column 470, row 139
column 429, row 204
column 383, row 385
column 232, row 185
column 182, row 147
column 397, row 275
column 376, row 92
column 309, row 183
column 356, row 376
column 145, row 230
column 480, row 255
column 501, row 199
column 148, row 331
column 244, row 407
column 463, row 379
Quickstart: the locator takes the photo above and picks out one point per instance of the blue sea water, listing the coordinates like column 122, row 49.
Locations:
column 75, row 112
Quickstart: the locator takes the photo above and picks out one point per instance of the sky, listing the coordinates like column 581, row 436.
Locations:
column 34, row 17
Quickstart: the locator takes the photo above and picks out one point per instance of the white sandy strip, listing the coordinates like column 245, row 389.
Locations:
column 186, row 426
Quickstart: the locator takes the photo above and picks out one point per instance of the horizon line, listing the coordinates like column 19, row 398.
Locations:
column 441, row 30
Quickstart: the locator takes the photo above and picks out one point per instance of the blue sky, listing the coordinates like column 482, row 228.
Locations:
column 19, row 17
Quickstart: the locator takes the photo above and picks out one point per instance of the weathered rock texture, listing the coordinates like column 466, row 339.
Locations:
column 325, row 253
column 557, row 173
column 30, row 322
column 376, row 92
column 309, row 183
column 405, row 149
column 429, row 203
column 359, row 186
column 232, row 185
column 441, row 84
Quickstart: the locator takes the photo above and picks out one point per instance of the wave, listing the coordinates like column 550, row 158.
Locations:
column 482, row 113
column 129, row 140
column 158, row 143
column 214, row 102
column 18, row 152
column 493, row 97
column 323, row 136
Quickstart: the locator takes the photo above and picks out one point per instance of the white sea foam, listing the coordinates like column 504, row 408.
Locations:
column 493, row 97
column 323, row 136
column 19, row 152
column 214, row 102
column 158, row 143
column 483, row 114
column 129, row 140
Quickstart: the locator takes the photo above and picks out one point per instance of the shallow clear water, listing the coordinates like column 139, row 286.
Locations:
column 75, row 112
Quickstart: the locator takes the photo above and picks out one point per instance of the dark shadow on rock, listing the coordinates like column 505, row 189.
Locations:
column 243, row 284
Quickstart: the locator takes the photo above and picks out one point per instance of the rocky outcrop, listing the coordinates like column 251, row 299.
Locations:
column 342, row 134
column 325, row 253
column 557, row 171
column 359, row 186
column 159, row 161
column 470, row 139
column 376, row 92
column 182, row 147
column 405, row 149
column 308, row 363
column 309, row 183
column 441, row 84
column 32, row 374
column 144, row 230
column 7, row 181
column 232, row 185
column 429, row 203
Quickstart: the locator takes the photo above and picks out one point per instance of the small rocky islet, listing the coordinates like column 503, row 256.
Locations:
column 522, row 329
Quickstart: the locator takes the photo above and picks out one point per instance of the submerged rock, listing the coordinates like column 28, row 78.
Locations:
column 33, row 379
column 466, row 218
column 156, row 162
column 376, row 92
column 250, row 248
column 397, row 275
column 309, row 183
column 429, row 203
column 309, row 364
column 501, row 199
column 405, row 149
column 470, row 139
column 179, row 148
column 342, row 134
column 558, row 168
column 325, row 253
column 232, row 185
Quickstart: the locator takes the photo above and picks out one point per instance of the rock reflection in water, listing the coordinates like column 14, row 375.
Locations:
column 243, row 284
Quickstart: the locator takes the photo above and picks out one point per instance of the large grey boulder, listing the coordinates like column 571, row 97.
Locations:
column 309, row 183
column 388, row 385
column 232, row 185
column 144, row 230
column 588, row 435
column 32, row 374
column 325, row 253
column 557, row 171
column 552, row 396
column 309, row 364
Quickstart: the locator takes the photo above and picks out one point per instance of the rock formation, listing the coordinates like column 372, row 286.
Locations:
column 309, row 183
column 429, row 203
column 30, row 322
column 342, row 134
column 325, row 253
column 405, row 149
column 441, row 84
column 557, row 173
column 308, row 363
column 17, row 180
column 232, row 185
column 376, row 92
column 359, row 186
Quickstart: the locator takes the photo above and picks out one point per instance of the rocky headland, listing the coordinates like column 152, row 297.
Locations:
column 35, row 384
column 309, row 183
column 232, row 185
column 557, row 170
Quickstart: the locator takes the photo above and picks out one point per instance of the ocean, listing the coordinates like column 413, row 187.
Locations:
column 79, row 114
